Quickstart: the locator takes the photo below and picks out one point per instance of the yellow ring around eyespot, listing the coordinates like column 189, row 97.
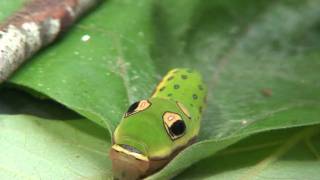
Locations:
column 136, row 155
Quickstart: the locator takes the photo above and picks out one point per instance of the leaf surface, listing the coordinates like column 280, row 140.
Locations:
column 37, row 148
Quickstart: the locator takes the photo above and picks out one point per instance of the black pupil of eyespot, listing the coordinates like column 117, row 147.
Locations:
column 133, row 107
column 178, row 128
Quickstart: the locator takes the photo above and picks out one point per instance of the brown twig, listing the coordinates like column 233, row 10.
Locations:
column 35, row 26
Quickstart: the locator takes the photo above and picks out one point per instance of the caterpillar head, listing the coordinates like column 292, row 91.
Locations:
column 149, row 135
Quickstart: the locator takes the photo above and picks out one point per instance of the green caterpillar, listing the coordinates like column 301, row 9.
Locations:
column 154, row 131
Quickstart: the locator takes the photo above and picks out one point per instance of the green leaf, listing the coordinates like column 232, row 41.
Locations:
column 260, row 60
column 7, row 7
column 34, row 148
column 286, row 154
column 96, row 77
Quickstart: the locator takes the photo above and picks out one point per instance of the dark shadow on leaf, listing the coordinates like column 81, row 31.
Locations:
column 14, row 100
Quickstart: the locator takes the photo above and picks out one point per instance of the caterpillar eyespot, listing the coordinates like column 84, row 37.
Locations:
column 174, row 125
column 137, row 107
column 152, row 131
column 132, row 108
column 178, row 128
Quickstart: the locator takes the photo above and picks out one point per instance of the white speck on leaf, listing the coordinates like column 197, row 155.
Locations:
column 85, row 38
column 244, row 122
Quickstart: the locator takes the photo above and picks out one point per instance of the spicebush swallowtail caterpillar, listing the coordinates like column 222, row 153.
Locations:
column 153, row 131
